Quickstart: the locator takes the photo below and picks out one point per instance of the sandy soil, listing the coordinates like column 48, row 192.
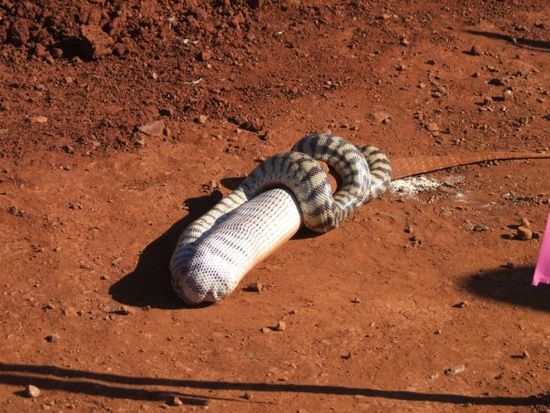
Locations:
column 121, row 121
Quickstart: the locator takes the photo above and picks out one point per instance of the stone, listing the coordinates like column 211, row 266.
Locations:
column 155, row 128
column 381, row 117
column 281, row 326
column 255, row 287
column 95, row 43
column 524, row 233
column 68, row 149
column 32, row 391
column 166, row 111
column 52, row 338
column 174, row 401
column 432, row 127
column 204, row 55
column 39, row 119
column 474, row 51
column 201, row 119
column 455, row 370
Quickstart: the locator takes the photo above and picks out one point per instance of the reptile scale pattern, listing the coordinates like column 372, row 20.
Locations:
column 215, row 251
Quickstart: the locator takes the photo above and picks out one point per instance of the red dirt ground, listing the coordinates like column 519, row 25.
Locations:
column 416, row 304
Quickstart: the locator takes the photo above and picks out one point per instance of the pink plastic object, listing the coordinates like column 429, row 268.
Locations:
column 542, row 270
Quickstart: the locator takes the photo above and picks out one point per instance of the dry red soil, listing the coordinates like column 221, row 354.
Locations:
column 120, row 122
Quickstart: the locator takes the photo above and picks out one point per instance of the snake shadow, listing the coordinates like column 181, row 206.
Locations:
column 535, row 45
column 149, row 283
column 510, row 285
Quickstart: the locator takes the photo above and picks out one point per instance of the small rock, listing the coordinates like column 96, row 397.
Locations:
column 255, row 287
column 204, row 56
column 40, row 50
column 432, row 127
column 123, row 310
column 480, row 228
column 32, row 391
column 380, row 117
column 52, row 338
column 247, row 396
column 174, row 401
column 475, row 75
column 524, row 233
column 166, row 111
column 401, row 67
column 430, row 62
column 525, row 354
column 75, row 205
column 356, row 300
column 95, row 43
column 404, row 41
column 346, row 356
column 508, row 94
column 474, row 51
column 281, row 326
column 265, row 330
column 525, row 222
column 68, row 149
column 39, row 119
column 455, row 370
column 201, row 119
column 155, row 128
column 496, row 82
column 460, row 304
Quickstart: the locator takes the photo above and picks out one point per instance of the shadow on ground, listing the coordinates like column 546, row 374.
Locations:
column 540, row 45
column 116, row 386
column 149, row 283
column 510, row 285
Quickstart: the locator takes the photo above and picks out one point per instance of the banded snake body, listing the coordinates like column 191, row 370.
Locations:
column 215, row 251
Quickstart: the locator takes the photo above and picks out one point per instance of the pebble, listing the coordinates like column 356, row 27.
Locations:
column 460, row 304
column 356, row 300
column 404, row 41
column 201, row 119
column 455, row 370
column 247, row 396
column 474, row 51
column 174, row 401
column 401, row 67
column 265, row 330
column 95, row 42
column 281, row 326
column 480, row 228
column 204, row 56
column 68, row 149
column 52, row 338
column 166, row 111
column 155, row 128
column 255, row 287
column 496, row 82
column 381, row 117
column 123, row 310
column 39, row 119
column 432, row 127
column 525, row 354
column 524, row 233
column 32, row 391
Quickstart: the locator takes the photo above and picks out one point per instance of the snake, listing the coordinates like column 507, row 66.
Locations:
column 288, row 190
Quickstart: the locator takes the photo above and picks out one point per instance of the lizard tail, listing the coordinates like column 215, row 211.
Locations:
column 416, row 165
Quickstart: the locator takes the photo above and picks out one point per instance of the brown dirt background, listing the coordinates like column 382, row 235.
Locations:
column 90, row 207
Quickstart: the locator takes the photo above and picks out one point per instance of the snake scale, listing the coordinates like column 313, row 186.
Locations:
column 290, row 189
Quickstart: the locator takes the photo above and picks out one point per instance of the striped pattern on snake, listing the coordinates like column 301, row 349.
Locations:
column 207, row 270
